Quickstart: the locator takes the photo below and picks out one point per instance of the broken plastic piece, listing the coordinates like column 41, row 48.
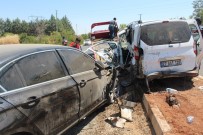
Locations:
column 117, row 121
column 171, row 91
column 190, row 119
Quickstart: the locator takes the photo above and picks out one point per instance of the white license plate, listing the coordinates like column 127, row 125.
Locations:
column 170, row 63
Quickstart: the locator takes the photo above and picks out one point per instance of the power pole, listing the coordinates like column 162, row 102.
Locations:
column 35, row 17
column 140, row 16
column 56, row 22
column 76, row 31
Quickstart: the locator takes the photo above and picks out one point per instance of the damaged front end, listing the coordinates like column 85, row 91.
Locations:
column 106, row 52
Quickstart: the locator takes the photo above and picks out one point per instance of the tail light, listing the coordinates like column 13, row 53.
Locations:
column 136, row 52
column 195, row 48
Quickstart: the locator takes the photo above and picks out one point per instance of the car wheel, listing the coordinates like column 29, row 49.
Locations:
column 111, row 88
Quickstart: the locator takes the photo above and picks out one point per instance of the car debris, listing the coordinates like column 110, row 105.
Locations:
column 117, row 121
column 171, row 91
column 172, row 100
column 126, row 106
column 127, row 109
column 190, row 119
column 200, row 87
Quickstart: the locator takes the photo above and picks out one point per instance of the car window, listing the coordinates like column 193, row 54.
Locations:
column 165, row 33
column 101, row 46
column 10, row 80
column 76, row 61
column 40, row 67
column 195, row 32
column 122, row 40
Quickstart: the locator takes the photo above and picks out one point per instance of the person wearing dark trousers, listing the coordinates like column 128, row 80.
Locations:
column 113, row 28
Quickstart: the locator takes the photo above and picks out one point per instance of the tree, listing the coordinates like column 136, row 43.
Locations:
column 2, row 29
column 16, row 26
column 8, row 26
column 122, row 26
column 66, row 24
column 198, row 7
column 40, row 27
column 85, row 36
column 51, row 25
column 24, row 27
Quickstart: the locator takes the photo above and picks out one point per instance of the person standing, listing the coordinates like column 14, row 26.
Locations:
column 76, row 44
column 113, row 28
column 64, row 41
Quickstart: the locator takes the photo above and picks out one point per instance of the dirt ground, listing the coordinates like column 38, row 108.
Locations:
column 190, row 98
column 97, row 123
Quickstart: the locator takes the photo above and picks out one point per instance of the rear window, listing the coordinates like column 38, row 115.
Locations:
column 165, row 33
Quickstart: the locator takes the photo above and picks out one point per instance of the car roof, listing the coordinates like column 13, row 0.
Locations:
column 158, row 21
column 11, row 51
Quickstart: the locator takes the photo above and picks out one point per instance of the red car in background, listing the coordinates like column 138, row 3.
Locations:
column 99, row 34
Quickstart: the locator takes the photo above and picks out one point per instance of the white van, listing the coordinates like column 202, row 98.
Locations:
column 161, row 49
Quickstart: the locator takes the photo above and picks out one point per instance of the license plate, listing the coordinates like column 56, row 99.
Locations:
column 170, row 63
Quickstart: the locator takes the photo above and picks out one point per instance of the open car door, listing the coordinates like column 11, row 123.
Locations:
column 99, row 34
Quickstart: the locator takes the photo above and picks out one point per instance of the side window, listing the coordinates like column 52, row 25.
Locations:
column 122, row 40
column 40, row 67
column 10, row 80
column 195, row 32
column 76, row 61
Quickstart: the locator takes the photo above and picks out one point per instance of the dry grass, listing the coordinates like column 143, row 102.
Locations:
column 9, row 39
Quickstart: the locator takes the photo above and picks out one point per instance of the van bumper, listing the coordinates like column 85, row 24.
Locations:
column 159, row 75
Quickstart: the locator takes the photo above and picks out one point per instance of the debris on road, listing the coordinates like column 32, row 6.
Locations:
column 126, row 113
column 172, row 100
column 117, row 121
column 171, row 91
column 190, row 119
column 200, row 87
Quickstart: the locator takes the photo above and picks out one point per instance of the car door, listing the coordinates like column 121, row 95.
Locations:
column 88, row 77
column 167, row 47
column 50, row 98
column 10, row 118
column 198, row 39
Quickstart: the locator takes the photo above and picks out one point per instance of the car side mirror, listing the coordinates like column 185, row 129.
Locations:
column 100, row 65
column 113, row 45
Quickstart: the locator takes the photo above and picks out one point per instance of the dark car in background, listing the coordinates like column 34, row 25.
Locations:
column 46, row 89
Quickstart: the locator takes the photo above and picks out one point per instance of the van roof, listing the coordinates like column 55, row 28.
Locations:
column 159, row 21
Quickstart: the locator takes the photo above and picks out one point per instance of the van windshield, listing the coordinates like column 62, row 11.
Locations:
column 165, row 33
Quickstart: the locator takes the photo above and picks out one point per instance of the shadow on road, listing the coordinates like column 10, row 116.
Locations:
column 81, row 125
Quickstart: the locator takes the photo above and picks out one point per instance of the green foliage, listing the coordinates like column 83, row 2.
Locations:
column 24, row 38
column 198, row 7
column 2, row 27
column 85, row 36
column 122, row 26
column 39, row 31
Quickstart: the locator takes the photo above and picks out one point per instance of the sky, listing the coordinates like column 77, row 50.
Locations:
column 82, row 13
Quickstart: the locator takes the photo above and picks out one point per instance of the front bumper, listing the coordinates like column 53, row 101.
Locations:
column 159, row 75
